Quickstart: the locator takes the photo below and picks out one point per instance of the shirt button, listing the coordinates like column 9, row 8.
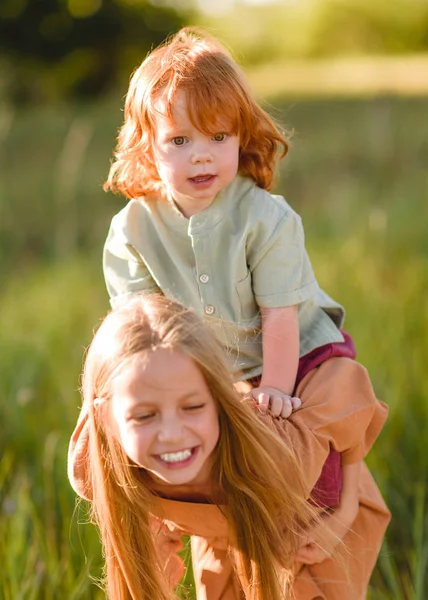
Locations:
column 209, row 310
column 204, row 278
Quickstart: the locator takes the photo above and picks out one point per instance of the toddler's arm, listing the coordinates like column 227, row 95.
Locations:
column 280, row 331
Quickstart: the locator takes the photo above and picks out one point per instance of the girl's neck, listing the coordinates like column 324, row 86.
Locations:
column 203, row 493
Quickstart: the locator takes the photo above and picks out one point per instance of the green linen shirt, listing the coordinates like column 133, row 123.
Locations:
column 244, row 252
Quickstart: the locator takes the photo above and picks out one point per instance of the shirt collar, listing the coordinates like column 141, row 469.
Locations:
column 211, row 216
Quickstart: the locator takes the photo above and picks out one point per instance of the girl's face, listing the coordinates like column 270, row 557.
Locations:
column 166, row 417
column 193, row 166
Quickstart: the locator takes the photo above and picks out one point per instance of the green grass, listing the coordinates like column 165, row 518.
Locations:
column 43, row 550
column 356, row 174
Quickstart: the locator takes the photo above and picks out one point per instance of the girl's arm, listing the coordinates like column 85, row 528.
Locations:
column 348, row 506
column 325, row 537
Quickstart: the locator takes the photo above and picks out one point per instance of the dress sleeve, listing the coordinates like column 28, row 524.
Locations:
column 78, row 449
column 125, row 271
column 282, row 274
column 339, row 411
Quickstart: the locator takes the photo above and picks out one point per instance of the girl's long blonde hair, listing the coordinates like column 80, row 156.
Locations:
column 257, row 474
column 216, row 90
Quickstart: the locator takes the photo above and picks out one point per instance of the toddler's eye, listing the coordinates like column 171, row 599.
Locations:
column 219, row 137
column 179, row 141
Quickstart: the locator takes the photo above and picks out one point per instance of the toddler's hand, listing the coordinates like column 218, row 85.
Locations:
column 274, row 401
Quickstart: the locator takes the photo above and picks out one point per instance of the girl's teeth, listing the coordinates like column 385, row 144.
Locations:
column 176, row 456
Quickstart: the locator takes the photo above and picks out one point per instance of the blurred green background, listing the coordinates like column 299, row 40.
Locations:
column 350, row 78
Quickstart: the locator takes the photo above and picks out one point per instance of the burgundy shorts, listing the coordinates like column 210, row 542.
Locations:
column 326, row 492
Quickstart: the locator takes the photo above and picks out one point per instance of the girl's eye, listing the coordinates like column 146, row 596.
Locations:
column 219, row 137
column 179, row 141
column 143, row 418
column 194, row 407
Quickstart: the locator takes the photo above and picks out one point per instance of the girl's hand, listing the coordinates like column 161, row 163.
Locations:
column 274, row 401
column 168, row 544
column 324, row 538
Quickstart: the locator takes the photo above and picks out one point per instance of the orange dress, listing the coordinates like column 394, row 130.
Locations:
column 340, row 411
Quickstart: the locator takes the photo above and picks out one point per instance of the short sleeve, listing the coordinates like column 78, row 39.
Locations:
column 125, row 271
column 282, row 274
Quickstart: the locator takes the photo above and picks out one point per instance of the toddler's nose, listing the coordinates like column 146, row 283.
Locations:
column 201, row 154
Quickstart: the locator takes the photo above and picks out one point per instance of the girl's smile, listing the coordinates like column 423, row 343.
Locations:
column 193, row 166
column 178, row 460
column 166, row 417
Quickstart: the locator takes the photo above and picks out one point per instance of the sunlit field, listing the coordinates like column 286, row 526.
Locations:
column 357, row 173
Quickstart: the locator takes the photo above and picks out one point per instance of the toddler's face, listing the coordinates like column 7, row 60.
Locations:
column 166, row 417
column 193, row 166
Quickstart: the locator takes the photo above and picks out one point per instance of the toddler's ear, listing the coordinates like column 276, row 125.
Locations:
column 97, row 402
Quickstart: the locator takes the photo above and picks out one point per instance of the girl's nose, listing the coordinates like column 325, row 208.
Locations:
column 171, row 429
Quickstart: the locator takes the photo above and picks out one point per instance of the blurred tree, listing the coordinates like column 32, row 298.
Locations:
column 265, row 31
column 364, row 26
column 54, row 49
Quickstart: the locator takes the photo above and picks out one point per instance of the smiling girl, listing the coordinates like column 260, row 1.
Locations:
column 164, row 446
column 168, row 430
column 165, row 425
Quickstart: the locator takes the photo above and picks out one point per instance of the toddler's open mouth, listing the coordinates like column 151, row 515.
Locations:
column 208, row 177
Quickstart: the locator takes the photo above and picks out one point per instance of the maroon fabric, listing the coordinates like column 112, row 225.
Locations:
column 326, row 492
column 319, row 355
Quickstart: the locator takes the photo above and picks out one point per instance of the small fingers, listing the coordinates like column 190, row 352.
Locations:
column 295, row 402
column 262, row 400
column 287, row 407
column 276, row 405
column 289, row 404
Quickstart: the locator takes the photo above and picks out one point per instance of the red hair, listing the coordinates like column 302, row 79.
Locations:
column 215, row 88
